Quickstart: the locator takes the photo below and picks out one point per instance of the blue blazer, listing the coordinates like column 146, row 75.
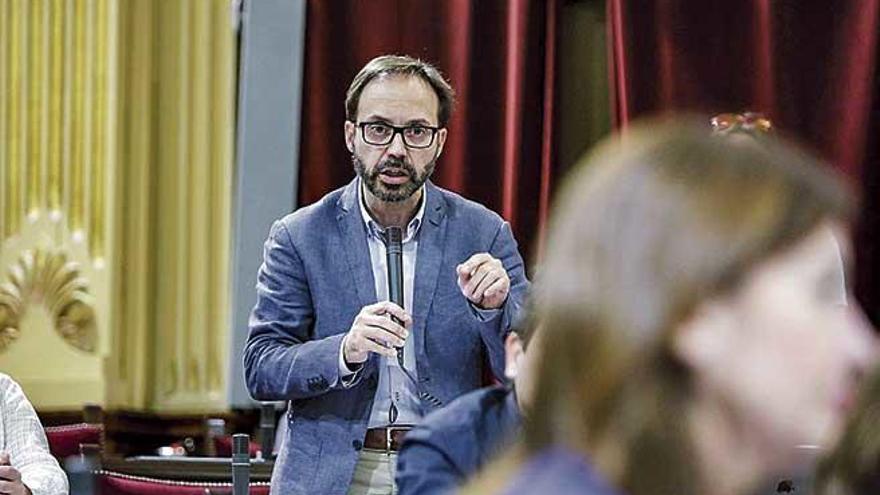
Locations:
column 454, row 443
column 315, row 278
column 558, row 471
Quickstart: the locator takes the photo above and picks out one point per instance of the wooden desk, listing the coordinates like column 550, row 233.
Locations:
column 185, row 468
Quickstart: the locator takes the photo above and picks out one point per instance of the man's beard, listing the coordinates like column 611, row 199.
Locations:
column 392, row 193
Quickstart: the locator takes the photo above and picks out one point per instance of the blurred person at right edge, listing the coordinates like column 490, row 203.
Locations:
column 750, row 128
column 691, row 332
column 853, row 466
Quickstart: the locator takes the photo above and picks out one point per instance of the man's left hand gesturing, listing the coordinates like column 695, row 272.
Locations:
column 483, row 281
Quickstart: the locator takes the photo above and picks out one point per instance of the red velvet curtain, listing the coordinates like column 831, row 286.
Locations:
column 499, row 56
column 810, row 66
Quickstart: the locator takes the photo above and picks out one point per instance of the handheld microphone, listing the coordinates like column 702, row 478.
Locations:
column 394, row 259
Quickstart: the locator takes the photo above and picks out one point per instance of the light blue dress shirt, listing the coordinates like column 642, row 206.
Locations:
column 393, row 386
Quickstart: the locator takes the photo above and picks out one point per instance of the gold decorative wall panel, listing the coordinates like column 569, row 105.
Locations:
column 192, row 57
column 116, row 131
column 48, row 278
column 57, row 65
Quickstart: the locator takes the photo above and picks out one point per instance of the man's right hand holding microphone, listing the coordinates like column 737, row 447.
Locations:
column 374, row 331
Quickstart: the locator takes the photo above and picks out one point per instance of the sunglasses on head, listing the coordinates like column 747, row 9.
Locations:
column 746, row 121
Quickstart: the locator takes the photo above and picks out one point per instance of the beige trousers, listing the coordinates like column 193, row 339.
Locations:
column 374, row 473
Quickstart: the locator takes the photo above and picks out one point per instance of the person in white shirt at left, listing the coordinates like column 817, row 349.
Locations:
column 26, row 466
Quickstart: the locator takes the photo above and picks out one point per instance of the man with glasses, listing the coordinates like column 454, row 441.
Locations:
column 360, row 371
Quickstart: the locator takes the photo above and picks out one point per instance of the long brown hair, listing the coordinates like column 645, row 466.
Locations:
column 645, row 229
column 853, row 467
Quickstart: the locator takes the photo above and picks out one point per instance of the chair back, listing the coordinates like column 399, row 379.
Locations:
column 113, row 483
column 68, row 440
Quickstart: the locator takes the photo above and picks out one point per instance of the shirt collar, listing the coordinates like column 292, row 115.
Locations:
column 374, row 229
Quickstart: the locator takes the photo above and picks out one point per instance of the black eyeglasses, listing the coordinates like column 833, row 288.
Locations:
column 414, row 136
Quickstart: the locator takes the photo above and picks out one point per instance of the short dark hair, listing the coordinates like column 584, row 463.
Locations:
column 524, row 323
column 404, row 66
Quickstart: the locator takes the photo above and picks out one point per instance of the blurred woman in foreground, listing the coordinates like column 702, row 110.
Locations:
column 692, row 336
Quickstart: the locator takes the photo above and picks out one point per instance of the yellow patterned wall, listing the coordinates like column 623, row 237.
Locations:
column 116, row 129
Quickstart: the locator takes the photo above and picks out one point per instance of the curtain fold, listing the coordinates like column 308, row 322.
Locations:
column 498, row 55
column 810, row 66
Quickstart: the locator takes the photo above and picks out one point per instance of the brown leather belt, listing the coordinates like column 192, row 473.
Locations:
column 387, row 439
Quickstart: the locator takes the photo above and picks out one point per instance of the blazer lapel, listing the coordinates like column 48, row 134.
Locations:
column 357, row 253
column 354, row 240
column 432, row 238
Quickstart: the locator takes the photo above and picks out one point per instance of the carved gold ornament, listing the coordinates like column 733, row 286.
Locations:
column 48, row 277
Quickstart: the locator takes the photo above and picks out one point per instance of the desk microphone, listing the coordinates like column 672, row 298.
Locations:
column 394, row 259
column 81, row 475
column 241, row 464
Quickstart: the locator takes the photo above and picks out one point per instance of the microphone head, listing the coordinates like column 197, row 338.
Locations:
column 394, row 239
column 241, row 445
column 395, row 235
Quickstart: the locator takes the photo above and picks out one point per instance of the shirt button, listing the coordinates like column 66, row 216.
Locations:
column 357, row 444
